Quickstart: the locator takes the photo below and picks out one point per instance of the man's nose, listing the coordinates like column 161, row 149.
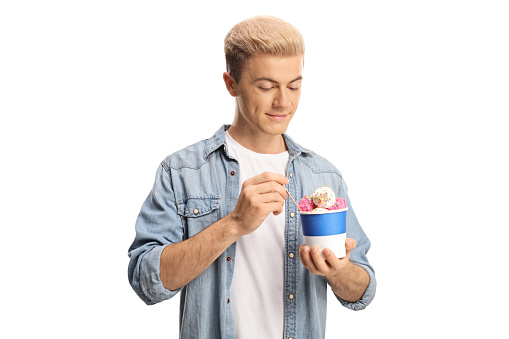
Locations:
column 282, row 99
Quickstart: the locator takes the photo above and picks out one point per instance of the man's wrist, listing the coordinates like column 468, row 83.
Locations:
column 349, row 283
column 346, row 271
column 233, row 227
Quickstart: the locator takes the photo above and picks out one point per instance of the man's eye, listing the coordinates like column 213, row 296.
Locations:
column 265, row 88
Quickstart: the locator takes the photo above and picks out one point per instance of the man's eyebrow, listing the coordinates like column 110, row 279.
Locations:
column 274, row 81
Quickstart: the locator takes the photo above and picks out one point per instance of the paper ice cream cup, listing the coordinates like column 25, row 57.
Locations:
column 325, row 229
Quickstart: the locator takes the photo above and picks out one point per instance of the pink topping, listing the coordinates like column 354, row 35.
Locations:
column 340, row 203
column 306, row 204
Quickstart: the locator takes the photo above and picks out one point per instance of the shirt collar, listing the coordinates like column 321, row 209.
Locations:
column 218, row 140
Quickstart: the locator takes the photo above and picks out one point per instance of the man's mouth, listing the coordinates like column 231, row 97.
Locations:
column 278, row 117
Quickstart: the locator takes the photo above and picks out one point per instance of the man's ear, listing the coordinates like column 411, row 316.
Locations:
column 230, row 84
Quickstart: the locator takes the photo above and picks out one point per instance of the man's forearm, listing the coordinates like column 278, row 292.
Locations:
column 259, row 196
column 184, row 261
column 350, row 283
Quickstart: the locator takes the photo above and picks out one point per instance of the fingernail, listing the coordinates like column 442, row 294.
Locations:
column 326, row 251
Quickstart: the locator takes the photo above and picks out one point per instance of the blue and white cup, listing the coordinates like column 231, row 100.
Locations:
column 325, row 229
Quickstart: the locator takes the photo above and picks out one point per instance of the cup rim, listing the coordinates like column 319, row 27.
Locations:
column 324, row 212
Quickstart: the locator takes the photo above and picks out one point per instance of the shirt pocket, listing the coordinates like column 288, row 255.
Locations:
column 198, row 213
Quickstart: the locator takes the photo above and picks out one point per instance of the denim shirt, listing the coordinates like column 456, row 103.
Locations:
column 199, row 185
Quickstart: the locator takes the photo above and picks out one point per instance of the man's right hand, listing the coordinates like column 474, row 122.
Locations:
column 182, row 262
column 259, row 196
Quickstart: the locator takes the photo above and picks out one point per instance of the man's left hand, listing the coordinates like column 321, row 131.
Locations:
column 313, row 261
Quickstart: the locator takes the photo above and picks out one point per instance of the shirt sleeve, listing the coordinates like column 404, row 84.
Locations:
column 157, row 226
column 358, row 255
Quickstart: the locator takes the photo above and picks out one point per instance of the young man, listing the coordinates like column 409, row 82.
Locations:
column 216, row 226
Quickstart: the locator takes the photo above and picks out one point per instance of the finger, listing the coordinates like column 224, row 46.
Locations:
column 268, row 176
column 275, row 207
column 267, row 193
column 331, row 258
column 271, row 176
column 271, row 197
column 320, row 264
column 270, row 186
column 301, row 247
column 305, row 257
column 350, row 244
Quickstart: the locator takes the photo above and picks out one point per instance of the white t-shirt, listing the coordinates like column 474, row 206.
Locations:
column 256, row 293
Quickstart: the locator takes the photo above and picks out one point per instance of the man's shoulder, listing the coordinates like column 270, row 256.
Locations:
column 317, row 163
column 190, row 156
column 193, row 156
column 312, row 160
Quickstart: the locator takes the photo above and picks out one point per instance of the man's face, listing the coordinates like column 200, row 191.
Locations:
column 268, row 94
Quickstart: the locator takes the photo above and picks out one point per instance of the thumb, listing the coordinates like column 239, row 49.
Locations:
column 350, row 244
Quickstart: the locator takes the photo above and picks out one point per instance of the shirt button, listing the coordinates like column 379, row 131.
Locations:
column 232, row 173
column 292, row 215
column 291, row 255
column 291, row 176
column 228, row 301
column 228, row 258
column 195, row 211
column 290, row 296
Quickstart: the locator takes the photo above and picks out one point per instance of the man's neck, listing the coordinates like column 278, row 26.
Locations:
column 258, row 142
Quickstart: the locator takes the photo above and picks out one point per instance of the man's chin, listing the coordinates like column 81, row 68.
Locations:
column 276, row 130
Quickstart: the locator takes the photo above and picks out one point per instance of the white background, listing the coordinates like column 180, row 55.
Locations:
column 411, row 96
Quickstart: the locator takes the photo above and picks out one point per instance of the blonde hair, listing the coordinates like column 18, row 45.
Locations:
column 260, row 35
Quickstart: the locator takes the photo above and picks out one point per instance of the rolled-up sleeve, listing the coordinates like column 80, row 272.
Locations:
column 358, row 255
column 157, row 226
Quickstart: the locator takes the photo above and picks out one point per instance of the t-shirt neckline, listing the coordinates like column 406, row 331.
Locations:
column 229, row 139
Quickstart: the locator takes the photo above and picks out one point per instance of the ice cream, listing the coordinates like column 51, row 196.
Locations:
column 323, row 221
column 322, row 199
column 306, row 204
column 340, row 203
